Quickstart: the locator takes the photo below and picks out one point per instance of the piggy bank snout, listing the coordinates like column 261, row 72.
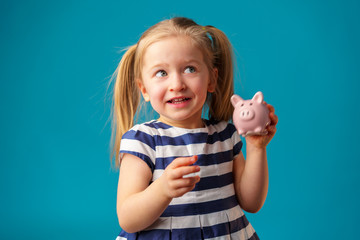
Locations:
column 247, row 114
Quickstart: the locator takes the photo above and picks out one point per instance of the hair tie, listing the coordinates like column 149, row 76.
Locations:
column 209, row 36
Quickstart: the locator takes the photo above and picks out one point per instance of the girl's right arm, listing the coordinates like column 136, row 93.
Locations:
column 140, row 204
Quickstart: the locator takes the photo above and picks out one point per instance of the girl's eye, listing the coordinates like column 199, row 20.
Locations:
column 190, row 69
column 161, row 73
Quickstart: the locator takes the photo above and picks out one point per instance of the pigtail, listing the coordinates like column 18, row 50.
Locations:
column 125, row 101
column 220, row 107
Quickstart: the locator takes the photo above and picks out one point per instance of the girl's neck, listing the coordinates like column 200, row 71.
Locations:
column 183, row 124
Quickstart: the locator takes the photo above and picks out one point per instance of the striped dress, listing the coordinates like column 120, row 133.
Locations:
column 211, row 209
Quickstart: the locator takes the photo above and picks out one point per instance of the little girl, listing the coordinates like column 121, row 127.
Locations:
column 182, row 176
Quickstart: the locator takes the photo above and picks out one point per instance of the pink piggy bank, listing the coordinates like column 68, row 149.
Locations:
column 250, row 117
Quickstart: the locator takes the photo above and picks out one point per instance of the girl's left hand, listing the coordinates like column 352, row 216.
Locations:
column 261, row 141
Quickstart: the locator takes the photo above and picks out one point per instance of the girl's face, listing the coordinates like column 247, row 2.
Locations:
column 176, row 80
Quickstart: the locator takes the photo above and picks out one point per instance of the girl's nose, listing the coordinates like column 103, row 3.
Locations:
column 177, row 83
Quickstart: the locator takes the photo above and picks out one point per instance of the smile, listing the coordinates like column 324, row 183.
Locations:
column 178, row 100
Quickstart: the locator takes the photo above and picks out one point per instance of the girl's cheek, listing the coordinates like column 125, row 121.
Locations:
column 157, row 93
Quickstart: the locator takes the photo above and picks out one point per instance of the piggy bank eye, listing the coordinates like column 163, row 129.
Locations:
column 242, row 105
column 251, row 104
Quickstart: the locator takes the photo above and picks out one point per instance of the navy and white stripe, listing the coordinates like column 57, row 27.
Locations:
column 211, row 210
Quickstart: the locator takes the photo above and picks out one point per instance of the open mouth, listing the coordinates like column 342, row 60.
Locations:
column 178, row 100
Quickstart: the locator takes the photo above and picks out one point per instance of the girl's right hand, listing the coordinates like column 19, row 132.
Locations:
column 174, row 184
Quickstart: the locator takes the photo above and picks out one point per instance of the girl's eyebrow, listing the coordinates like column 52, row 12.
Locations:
column 158, row 65
column 192, row 61
column 165, row 65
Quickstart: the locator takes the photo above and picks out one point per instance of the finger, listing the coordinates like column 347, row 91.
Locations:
column 185, row 182
column 274, row 119
column 271, row 108
column 183, row 161
column 271, row 129
column 180, row 172
column 181, row 191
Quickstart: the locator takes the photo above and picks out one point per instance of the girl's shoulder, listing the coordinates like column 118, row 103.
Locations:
column 152, row 128
column 220, row 126
column 145, row 128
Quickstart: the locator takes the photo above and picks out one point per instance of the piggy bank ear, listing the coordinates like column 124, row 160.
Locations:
column 258, row 97
column 235, row 99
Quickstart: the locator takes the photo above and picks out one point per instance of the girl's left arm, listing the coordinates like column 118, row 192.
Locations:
column 251, row 177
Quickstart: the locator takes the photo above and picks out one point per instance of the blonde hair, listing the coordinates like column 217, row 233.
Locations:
column 217, row 52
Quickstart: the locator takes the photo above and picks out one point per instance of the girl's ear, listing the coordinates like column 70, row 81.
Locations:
column 143, row 90
column 213, row 80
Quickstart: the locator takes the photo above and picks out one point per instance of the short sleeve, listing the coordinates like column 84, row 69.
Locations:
column 237, row 143
column 139, row 142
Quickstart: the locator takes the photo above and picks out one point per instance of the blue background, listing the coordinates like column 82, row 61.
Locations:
column 56, row 59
